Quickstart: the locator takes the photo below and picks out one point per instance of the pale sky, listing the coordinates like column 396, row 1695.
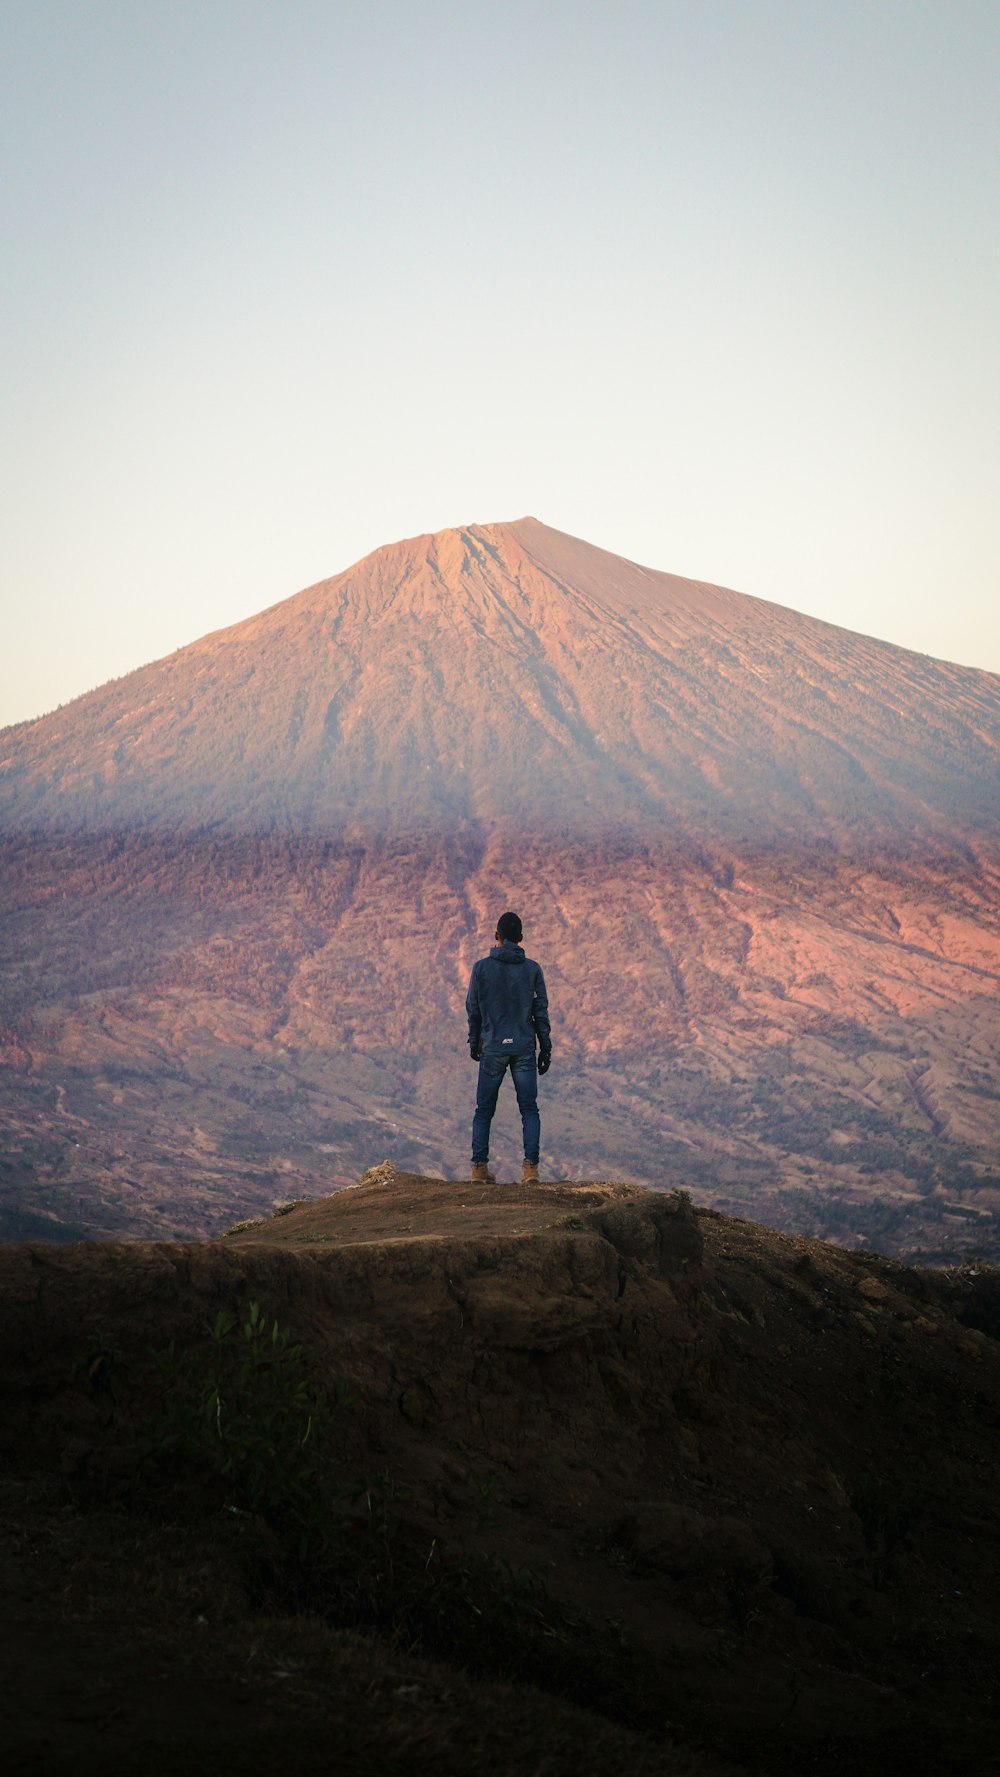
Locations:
column 711, row 283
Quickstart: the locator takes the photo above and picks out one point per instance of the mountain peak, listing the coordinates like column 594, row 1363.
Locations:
column 509, row 669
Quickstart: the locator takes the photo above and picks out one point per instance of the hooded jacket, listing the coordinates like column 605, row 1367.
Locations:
column 507, row 1003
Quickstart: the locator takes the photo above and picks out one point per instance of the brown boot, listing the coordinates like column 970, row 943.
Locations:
column 529, row 1173
column 481, row 1174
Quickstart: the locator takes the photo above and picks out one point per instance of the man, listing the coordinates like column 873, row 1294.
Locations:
column 508, row 1009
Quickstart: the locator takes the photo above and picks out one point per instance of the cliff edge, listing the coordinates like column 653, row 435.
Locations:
column 687, row 1495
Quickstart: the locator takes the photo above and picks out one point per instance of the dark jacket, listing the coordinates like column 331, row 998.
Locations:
column 507, row 1003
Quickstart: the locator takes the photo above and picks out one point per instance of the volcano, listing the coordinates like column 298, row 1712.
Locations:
column 512, row 673
column 757, row 855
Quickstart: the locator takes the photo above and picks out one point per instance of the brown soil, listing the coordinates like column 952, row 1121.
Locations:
column 392, row 1205
column 755, row 1473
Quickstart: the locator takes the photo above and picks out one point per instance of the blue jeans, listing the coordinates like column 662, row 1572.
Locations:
column 493, row 1064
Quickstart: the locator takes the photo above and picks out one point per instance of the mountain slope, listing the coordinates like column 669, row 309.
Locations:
column 242, row 890
column 510, row 672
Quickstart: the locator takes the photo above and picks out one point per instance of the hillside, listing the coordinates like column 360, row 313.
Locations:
column 509, row 672
column 664, row 1491
column 242, row 890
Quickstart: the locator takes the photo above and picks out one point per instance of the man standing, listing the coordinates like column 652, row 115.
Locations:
column 508, row 1008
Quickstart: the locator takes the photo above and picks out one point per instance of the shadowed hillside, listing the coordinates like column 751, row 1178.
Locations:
column 242, row 890
column 610, row 1485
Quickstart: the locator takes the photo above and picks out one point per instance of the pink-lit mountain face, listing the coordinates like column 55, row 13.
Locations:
column 757, row 854
column 510, row 672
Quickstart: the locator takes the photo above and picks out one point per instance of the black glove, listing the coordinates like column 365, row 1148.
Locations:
column 474, row 1053
column 544, row 1060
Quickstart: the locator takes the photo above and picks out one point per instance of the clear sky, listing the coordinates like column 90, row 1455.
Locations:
column 712, row 283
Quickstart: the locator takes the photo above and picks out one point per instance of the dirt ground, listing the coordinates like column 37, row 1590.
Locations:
column 392, row 1205
column 751, row 1478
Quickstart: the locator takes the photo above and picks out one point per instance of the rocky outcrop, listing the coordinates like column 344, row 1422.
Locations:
column 661, row 1231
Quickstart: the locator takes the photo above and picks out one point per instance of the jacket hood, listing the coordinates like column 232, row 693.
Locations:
column 508, row 952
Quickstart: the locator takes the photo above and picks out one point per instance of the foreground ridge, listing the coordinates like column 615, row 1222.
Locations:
column 745, row 1477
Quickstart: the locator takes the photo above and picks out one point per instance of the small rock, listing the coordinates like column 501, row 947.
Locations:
column 384, row 1174
column 874, row 1290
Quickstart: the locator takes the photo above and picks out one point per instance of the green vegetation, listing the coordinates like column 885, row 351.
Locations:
column 242, row 1415
column 240, row 1425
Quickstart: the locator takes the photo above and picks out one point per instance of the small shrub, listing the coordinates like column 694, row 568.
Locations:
column 239, row 1424
column 242, row 1413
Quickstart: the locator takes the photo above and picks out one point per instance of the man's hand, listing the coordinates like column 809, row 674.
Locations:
column 474, row 1053
column 544, row 1060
